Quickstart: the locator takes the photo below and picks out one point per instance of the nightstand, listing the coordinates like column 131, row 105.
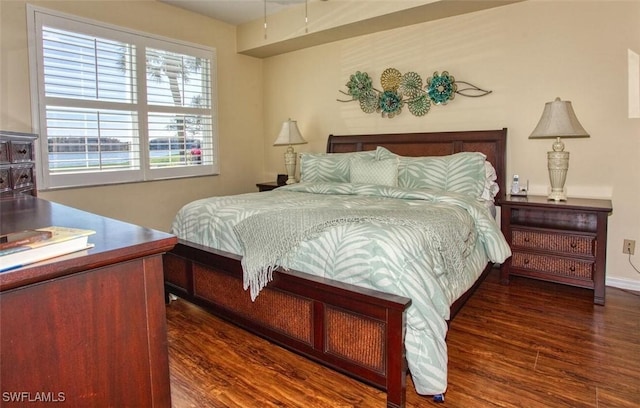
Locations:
column 268, row 186
column 563, row 242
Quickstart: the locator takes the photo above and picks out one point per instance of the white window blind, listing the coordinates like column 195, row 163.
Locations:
column 117, row 106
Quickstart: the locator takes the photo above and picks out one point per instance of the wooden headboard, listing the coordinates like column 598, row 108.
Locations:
column 490, row 142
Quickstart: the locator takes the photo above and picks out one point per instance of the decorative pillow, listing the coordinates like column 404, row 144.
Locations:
column 460, row 172
column 332, row 167
column 370, row 171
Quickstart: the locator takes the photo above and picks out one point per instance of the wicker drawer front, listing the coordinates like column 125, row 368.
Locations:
column 564, row 243
column 554, row 265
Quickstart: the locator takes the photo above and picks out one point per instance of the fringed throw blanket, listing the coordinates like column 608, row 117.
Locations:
column 270, row 237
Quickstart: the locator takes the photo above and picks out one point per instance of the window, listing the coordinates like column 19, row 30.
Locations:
column 116, row 106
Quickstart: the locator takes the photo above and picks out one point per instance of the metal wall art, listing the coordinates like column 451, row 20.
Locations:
column 399, row 90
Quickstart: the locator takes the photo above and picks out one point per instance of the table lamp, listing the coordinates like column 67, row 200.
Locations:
column 289, row 135
column 558, row 121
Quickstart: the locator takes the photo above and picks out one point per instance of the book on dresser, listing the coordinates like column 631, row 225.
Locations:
column 40, row 244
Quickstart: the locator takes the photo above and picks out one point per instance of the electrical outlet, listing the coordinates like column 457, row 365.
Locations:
column 629, row 246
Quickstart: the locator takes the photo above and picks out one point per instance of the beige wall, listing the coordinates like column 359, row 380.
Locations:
column 239, row 94
column 527, row 53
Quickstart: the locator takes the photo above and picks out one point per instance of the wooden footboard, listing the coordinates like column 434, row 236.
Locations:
column 356, row 331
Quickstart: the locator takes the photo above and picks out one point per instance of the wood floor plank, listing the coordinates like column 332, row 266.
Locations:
column 529, row 344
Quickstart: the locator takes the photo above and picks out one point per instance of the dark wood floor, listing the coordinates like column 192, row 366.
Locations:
column 530, row 344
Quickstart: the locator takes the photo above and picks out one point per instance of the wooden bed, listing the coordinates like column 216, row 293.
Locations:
column 357, row 331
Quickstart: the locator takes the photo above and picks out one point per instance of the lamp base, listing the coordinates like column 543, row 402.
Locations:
column 558, row 165
column 557, row 196
column 290, row 164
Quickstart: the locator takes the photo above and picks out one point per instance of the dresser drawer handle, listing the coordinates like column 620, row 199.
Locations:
column 23, row 151
column 526, row 239
column 526, row 261
column 24, row 176
column 574, row 245
column 572, row 268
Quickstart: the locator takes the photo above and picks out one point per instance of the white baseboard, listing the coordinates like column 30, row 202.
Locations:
column 629, row 284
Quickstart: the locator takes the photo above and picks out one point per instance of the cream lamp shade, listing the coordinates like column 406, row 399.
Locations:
column 558, row 121
column 289, row 136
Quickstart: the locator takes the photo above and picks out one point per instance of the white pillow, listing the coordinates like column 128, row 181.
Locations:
column 370, row 171
column 491, row 188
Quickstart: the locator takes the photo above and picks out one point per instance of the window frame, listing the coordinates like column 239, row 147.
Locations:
column 37, row 17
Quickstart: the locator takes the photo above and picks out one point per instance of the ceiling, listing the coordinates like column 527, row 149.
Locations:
column 235, row 12
column 333, row 19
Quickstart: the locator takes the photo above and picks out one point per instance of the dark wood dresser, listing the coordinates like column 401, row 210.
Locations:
column 267, row 186
column 563, row 242
column 17, row 163
column 87, row 329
